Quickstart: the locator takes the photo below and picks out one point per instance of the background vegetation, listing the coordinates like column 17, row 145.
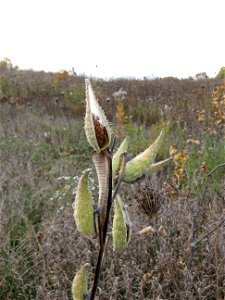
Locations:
column 43, row 152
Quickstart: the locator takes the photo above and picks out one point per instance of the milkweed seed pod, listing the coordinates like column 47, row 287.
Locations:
column 83, row 207
column 139, row 166
column 118, row 159
column 80, row 284
column 101, row 163
column 97, row 128
column 121, row 225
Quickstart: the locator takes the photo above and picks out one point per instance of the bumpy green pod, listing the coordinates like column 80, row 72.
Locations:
column 159, row 165
column 97, row 128
column 83, row 207
column 101, row 163
column 121, row 226
column 80, row 284
column 139, row 166
column 117, row 158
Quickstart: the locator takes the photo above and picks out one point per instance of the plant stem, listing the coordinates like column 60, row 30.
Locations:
column 210, row 232
column 97, row 273
column 104, row 233
column 194, row 240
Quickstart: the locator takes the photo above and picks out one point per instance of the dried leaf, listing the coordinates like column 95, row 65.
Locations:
column 162, row 231
column 146, row 230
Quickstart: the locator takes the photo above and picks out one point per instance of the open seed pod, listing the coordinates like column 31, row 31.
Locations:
column 101, row 163
column 97, row 127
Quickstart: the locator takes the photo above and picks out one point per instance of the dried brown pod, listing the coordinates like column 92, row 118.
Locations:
column 149, row 196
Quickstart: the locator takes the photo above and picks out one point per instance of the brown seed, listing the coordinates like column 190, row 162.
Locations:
column 100, row 132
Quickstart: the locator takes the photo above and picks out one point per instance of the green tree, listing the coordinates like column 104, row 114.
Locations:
column 221, row 73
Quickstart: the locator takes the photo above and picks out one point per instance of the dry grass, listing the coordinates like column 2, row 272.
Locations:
column 40, row 248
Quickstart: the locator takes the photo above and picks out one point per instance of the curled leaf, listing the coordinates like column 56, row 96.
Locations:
column 146, row 230
column 139, row 165
column 162, row 231
column 97, row 128
column 121, row 225
column 80, row 284
column 83, row 207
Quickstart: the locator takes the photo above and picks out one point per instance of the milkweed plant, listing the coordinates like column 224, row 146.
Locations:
column 113, row 168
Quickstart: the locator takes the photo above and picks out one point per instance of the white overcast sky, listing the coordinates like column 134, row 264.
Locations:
column 124, row 38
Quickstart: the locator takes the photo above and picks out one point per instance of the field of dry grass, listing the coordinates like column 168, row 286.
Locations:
column 43, row 152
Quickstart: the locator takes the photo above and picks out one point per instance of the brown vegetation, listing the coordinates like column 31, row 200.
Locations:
column 43, row 152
